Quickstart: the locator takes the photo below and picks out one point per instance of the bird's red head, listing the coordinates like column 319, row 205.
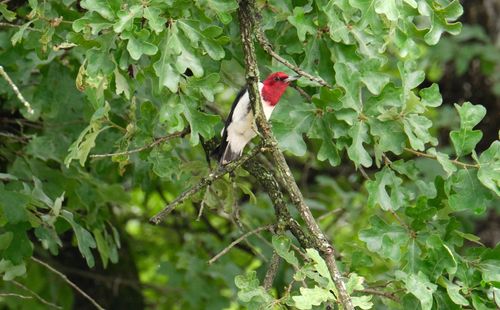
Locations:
column 275, row 85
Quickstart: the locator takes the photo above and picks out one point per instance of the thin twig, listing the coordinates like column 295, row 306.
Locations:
column 302, row 92
column 16, row 91
column 235, row 242
column 220, row 172
column 456, row 162
column 2, row 24
column 261, row 38
column 155, row 142
column 65, row 279
column 379, row 293
column 15, row 295
column 40, row 298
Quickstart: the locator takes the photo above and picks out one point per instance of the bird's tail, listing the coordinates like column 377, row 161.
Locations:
column 229, row 155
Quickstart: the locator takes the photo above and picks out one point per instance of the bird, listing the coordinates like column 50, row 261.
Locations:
column 239, row 127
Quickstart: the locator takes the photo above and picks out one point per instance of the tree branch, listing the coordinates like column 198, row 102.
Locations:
column 235, row 242
column 220, row 172
column 155, row 142
column 36, row 295
column 261, row 38
column 272, row 271
column 456, row 162
column 65, row 279
column 247, row 27
column 20, row 96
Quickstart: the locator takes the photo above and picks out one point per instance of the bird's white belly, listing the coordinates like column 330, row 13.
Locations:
column 240, row 132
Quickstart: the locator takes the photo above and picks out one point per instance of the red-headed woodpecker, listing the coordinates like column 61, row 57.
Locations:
column 239, row 128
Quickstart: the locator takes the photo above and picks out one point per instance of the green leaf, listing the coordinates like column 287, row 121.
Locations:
column 167, row 75
column 390, row 134
column 164, row 164
column 121, row 84
column 303, row 24
column 440, row 19
column 443, row 159
column 80, row 149
column 416, row 128
column 155, row 21
column 319, row 264
column 14, row 206
column 453, row 291
column 431, row 96
column 207, row 37
column 289, row 131
column 465, row 139
column 102, row 247
column 100, row 6
column 281, row 245
column 201, row 123
column 18, row 36
column 335, row 21
column 8, row 15
column 368, row 15
column 467, row 193
column 489, row 170
column 389, row 8
column 126, row 18
column 250, row 291
column 5, row 240
column 384, row 239
column 356, row 151
column 83, row 237
column 379, row 194
column 138, row 45
column 363, row 302
column 310, row 297
column 11, row 271
column 348, row 77
column 322, row 129
column 419, row 286
column 222, row 8
column 411, row 76
column 490, row 270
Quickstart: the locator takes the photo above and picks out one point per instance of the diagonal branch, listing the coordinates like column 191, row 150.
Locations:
column 247, row 27
column 235, row 242
column 14, row 87
column 206, row 181
column 73, row 285
column 261, row 38
column 155, row 142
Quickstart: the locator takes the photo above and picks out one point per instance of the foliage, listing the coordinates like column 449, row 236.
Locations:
column 111, row 76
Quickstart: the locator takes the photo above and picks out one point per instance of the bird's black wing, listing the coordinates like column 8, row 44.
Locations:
column 219, row 151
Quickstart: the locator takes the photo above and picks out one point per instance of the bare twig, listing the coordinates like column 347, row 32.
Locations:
column 261, row 38
column 220, row 172
column 235, row 242
column 155, row 142
column 2, row 24
column 36, row 295
column 246, row 14
column 65, row 279
column 272, row 271
column 15, row 295
column 456, row 162
column 20, row 96
column 379, row 293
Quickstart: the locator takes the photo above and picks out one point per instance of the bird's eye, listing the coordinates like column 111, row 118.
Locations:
column 276, row 79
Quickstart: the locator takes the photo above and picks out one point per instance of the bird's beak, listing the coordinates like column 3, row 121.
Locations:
column 292, row 78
